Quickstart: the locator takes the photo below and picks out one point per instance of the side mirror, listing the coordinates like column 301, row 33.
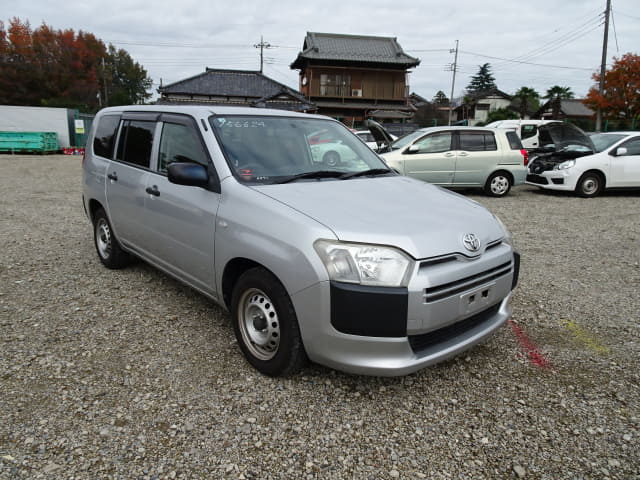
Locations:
column 412, row 149
column 620, row 151
column 190, row 174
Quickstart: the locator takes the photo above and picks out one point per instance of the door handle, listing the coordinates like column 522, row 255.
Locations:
column 449, row 154
column 113, row 176
column 463, row 154
column 153, row 191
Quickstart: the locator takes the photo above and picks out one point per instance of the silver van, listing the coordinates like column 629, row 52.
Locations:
column 349, row 265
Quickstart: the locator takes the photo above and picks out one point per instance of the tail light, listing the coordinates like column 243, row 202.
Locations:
column 525, row 155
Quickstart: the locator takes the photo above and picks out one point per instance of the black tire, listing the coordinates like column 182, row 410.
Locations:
column 589, row 185
column 498, row 184
column 331, row 158
column 265, row 324
column 108, row 248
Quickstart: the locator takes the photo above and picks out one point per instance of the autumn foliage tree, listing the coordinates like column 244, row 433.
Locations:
column 620, row 99
column 62, row 68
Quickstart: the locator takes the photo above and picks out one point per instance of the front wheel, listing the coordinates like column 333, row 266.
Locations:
column 498, row 184
column 265, row 324
column 109, row 250
column 589, row 185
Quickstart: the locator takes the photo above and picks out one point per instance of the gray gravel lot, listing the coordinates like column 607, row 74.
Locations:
column 128, row 374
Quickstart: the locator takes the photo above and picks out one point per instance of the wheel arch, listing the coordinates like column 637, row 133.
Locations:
column 232, row 272
column 94, row 206
column 506, row 173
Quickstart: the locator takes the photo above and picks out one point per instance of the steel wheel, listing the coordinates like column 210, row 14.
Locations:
column 259, row 324
column 103, row 238
column 265, row 323
column 589, row 185
column 109, row 251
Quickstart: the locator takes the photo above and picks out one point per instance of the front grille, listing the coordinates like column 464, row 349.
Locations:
column 422, row 342
column 445, row 290
column 537, row 179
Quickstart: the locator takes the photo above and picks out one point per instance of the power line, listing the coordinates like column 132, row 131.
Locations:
column 525, row 63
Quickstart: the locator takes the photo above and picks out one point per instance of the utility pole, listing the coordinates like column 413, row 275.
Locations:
column 262, row 45
column 104, row 78
column 453, row 82
column 603, row 64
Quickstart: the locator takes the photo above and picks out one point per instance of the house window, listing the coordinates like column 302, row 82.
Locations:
column 335, row 85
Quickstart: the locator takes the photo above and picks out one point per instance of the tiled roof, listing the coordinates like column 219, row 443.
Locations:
column 230, row 83
column 575, row 108
column 353, row 48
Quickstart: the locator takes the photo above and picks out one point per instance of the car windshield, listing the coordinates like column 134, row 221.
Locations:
column 407, row 139
column 603, row 141
column 265, row 150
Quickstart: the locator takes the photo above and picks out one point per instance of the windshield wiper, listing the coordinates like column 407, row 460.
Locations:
column 373, row 171
column 316, row 174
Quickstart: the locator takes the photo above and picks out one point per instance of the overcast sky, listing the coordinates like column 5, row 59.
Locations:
column 174, row 40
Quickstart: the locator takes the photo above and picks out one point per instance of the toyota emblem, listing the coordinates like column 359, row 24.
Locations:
column 471, row 242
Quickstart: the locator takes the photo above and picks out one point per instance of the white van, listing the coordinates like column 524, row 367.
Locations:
column 527, row 130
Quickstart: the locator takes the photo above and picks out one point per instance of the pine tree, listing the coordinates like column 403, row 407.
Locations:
column 482, row 81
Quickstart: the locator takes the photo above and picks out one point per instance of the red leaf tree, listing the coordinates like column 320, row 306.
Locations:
column 620, row 99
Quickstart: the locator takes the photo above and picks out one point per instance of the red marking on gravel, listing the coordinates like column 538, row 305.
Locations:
column 533, row 353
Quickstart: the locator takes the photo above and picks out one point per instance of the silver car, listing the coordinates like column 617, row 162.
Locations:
column 489, row 158
column 351, row 266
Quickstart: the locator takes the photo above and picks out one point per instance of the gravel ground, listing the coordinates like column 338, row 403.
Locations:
column 128, row 374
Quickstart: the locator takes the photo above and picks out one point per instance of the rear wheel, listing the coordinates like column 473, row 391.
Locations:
column 498, row 184
column 265, row 324
column 331, row 158
column 589, row 185
column 109, row 251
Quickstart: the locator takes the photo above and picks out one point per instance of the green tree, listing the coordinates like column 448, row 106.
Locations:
column 482, row 81
column 555, row 95
column 526, row 99
column 500, row 114
column 127, row 81
column 440, row 98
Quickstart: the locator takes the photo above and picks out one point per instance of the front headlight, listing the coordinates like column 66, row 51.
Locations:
column 507, row 234
column 374, row 265
column 565, row 165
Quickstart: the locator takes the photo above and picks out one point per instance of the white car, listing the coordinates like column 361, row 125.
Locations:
column 527, row 130
column 616, row 166
column 367, row 137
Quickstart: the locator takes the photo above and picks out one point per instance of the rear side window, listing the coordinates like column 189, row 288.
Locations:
column 514, row 141
column 136, row 139
column 105, row 136
column 527, row 131
column 477, row 141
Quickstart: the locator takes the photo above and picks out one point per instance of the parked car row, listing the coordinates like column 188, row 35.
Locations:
column 560, row 157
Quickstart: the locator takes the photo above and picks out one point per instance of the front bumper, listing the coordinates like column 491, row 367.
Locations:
column 447, row 308
column 553, row 180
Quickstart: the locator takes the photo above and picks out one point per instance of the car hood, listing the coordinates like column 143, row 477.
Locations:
column 382, row 137
column 562, row 136
column 421, row 219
